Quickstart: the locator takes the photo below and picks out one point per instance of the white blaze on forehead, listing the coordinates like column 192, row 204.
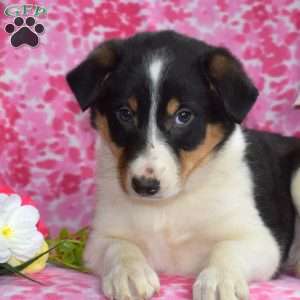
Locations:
column 157, row 156
column 156, row 65
column 155, row 69
column 162, row 162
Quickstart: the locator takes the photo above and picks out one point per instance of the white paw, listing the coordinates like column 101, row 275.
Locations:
column 214, row 284
column 130, row 281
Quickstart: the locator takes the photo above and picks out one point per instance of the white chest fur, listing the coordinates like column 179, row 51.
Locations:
column 176, row 235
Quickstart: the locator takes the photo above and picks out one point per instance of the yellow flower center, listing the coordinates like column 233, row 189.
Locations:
column 6, row 231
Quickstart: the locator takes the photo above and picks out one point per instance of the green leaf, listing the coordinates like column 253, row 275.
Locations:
column 64, row 234
column 3, row 270
column 69, row 253
column 14, row 270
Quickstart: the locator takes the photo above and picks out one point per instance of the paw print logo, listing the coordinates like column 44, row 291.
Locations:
column 27, row 33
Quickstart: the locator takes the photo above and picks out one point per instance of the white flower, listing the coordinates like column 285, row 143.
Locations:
column 19, row 236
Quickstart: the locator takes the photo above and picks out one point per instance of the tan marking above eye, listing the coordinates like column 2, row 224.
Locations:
column 133, row 104
column 172, row 106
column 190, row 160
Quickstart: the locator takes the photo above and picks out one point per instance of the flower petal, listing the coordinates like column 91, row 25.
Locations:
column 37, row 265
column 5, row 253
column 8, row 204
column 23, row 217
column 24, row 249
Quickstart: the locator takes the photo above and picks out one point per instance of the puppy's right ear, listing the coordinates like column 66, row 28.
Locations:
column 87, row 78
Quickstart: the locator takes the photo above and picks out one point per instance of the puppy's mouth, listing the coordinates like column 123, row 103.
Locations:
column 154, row 174
column 150, row 188
column 157, row 174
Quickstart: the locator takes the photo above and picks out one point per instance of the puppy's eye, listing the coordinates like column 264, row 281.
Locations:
column 125, row 115
column 183, row 117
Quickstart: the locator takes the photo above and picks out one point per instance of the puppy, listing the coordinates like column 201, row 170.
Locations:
column 182, row 187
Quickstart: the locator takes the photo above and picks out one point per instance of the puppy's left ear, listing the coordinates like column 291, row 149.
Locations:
column 228, row 78
column 86, row 80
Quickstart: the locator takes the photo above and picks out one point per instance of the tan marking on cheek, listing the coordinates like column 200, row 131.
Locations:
column 102, row 126
column 190, row 160
column 172, row 106
column 133, row 104
column 118, row 152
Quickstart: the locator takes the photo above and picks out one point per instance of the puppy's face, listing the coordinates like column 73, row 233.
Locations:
column 163, row 103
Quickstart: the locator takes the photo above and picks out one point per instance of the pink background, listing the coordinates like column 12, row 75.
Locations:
column 46, row 143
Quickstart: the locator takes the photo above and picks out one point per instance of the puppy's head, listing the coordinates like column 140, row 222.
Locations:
column 164, row 103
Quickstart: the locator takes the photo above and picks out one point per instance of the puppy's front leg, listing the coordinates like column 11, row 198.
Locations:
column 126, row 273
column 232, row 264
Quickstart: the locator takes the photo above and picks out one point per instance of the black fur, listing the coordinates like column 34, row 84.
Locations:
column 86, row 80
column 189, row 77
column 230, row 82
column 209, row 81
column 272, row 159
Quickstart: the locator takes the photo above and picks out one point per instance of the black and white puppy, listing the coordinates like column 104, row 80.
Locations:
column 182, row 187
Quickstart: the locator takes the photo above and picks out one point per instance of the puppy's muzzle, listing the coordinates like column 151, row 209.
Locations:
column 145, row 186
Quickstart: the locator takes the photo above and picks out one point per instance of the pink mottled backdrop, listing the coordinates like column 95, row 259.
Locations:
column 46, row 144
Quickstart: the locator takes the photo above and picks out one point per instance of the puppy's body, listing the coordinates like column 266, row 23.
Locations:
column 177, row 235
column 183, row 189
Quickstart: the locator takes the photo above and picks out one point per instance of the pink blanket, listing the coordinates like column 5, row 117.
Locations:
column 60, row 284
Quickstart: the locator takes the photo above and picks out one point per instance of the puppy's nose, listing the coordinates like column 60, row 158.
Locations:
column 145, row 186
